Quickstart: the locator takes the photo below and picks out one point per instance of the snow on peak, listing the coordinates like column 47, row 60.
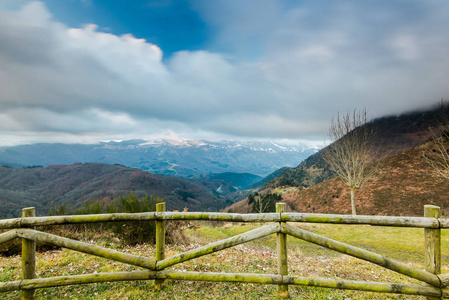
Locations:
column 177, row 142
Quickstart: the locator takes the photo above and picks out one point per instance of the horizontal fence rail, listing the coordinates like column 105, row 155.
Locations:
column 362, row 254
column 51, row 239
column 434, row 285
column 419, row 222
column 380, row 287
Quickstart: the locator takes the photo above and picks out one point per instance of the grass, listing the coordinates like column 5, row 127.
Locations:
column 404, row 244
column 285, row 190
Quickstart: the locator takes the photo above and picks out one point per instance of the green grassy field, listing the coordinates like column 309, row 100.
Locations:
column 403, row 244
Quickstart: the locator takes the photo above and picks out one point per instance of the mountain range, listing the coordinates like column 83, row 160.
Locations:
column 181, row 157
column 402, row 187
column 50, row 175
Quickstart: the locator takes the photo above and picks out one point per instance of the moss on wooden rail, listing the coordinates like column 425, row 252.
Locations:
column 87, row 248
column 420, row 222
column 410, row 289
column 444, row 278
column 76, row 279
column 362, row 254
column 7, row 236
column 218, row 246
column 156, row 267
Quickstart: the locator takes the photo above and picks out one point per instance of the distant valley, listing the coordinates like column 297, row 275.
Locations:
column 197, row 175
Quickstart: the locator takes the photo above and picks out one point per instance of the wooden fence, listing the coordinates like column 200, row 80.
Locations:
column 434, row 284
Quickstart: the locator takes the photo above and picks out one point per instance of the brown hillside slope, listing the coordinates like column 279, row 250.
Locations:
column 394, row 134
column 404, row 185
column 74, row 185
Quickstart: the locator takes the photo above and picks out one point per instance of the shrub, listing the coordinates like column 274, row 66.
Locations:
column 128, row 233
column 135, row 232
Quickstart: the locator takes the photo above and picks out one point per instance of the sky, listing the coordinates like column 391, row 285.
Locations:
column 83, row 71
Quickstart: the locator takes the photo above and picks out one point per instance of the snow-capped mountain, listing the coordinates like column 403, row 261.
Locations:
column 180, row 157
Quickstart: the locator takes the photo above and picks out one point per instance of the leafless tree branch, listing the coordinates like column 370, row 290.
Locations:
column 350, row 153
column 438, row 156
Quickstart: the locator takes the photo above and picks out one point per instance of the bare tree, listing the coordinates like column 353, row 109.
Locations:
column 264, row 203
column 438, row 156
column 261, row 204
column 352, row 149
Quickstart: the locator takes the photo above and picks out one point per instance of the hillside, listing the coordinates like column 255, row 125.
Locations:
column 394, row 134
column 168, row 157
column 404, row 185
column 74, row 184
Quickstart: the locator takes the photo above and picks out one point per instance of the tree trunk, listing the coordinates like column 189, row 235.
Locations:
column 352, row 202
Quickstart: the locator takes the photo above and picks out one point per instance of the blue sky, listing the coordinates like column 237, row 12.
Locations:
column 90, row 70
column 173, row 25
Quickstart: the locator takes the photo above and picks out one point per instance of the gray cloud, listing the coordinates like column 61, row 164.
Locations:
column 344, row 54
column 281, row 72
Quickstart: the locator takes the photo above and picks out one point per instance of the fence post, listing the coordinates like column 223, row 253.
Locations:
column 28, row 257
column 281, row 244
column 432, row 240
column 160, row 242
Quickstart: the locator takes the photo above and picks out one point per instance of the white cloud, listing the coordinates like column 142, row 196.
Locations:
column 277, row 71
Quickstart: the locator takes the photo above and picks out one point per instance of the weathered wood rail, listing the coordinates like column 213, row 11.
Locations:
column 434, row 287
